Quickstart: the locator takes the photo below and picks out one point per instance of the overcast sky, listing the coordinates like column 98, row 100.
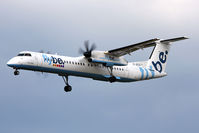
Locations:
column 36, row 103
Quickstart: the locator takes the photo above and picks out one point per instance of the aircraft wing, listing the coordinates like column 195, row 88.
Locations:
column 131, row 48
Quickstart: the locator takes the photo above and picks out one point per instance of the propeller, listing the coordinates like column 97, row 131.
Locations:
column 88, row 50
column 43, row 74
column 42, row 51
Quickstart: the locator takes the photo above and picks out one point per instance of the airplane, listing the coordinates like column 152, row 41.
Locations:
column 108, row 66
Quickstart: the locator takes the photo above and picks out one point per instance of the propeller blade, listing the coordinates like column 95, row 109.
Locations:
column 41, row 51
column 43, row 74
column 93, row 47
column 88, row 50
column 81, row 51
column 86, row 44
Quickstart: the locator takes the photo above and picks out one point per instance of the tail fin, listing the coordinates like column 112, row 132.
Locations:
column 159, row 55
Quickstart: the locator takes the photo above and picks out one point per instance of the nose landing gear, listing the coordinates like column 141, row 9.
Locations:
column 67, row 88
column 16, row 72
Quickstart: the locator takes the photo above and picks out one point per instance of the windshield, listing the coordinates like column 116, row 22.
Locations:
column 24, row 54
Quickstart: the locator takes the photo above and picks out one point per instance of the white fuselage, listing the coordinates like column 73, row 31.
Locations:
column 79, row 66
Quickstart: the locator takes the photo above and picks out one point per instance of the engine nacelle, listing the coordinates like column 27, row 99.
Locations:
column 107, row 60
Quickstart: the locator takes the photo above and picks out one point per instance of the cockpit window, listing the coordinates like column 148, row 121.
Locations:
column 24, row 54
column 27, row 54
column 20, row 55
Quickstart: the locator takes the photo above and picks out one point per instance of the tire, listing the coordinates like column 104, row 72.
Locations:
column 67, row 88
column 16, row 72
column 112, row 79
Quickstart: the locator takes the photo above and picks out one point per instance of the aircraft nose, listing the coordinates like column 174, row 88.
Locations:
column 12, row 62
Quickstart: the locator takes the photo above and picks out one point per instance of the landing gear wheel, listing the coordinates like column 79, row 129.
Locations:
column 16, row 72
column 67, row 88
column 112, row 79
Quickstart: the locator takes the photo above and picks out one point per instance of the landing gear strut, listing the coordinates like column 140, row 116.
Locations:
column 16, row 72
column 112, row 78
column 67, row 88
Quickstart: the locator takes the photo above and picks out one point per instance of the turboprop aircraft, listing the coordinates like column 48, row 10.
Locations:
column 99, row 65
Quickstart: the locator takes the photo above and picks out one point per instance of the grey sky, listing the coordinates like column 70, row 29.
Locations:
column 33, row 103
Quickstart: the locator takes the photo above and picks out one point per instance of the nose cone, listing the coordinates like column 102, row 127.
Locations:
column 12, row 62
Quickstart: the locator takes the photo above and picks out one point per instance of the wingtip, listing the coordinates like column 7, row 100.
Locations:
column 185, row 37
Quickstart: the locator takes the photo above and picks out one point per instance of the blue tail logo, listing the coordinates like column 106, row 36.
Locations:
column 162, row 60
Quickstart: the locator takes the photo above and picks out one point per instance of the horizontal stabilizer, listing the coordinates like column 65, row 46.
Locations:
column 173, row 39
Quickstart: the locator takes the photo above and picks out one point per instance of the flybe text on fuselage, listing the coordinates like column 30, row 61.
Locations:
column 57, row 62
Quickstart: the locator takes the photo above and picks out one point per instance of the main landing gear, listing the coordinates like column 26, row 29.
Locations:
column 67, row 88
column 112, row 78
column 16, row 72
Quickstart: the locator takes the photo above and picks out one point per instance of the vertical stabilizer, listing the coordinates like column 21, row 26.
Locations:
column 158, row 59
column 159, row 55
